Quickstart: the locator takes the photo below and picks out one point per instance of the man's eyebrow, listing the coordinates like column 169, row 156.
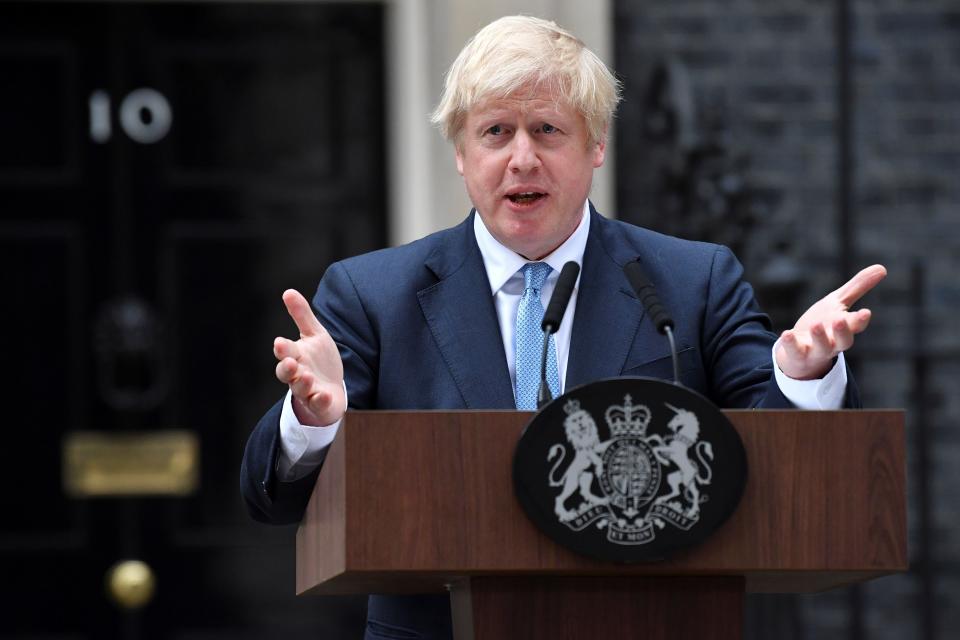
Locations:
column 547, row 111
column 493, row 113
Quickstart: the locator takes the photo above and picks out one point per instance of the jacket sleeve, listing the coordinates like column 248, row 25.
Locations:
column 340, row 310
column 737, row 342
column 267, row 499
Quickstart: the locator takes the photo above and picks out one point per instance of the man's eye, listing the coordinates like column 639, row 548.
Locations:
column 548, row 128
column 495, row 130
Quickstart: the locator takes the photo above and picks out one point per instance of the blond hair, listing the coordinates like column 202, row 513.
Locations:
column 518, row 52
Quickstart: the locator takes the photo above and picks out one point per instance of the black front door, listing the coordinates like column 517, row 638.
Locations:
column 166, row 171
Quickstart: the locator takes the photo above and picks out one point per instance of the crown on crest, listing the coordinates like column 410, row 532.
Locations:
column 627, row 419
column 571, row 406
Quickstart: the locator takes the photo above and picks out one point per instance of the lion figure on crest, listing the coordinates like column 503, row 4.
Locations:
column 583, row 436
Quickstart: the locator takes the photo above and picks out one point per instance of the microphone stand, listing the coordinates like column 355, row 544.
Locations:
column 543, row 393
column 551, row 322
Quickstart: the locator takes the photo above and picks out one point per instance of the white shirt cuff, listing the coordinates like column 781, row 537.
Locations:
column 301, row 446
column 825, row 393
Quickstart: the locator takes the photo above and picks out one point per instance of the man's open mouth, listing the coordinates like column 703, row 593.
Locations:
column 527, row 197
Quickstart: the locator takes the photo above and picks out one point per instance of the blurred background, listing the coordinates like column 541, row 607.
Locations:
column 168, row 169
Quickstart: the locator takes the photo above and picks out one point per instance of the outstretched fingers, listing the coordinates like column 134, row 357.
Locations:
column 860, row 284
column 824, row 345
column 792, row 345
column 860, row 320
column 827, row 328
column 284, row 348
column 310, row 366
column 305, row 387
column 302, row 384
column 842, row 333
column 287, row 370
column 302, row 381
column 299, row 309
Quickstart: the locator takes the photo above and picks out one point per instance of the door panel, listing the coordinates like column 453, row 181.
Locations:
column 166, row 171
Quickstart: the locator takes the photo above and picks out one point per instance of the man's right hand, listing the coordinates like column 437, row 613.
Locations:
column 311, row 366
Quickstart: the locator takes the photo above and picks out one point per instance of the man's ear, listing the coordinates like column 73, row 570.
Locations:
column 457, row 152
column 600, row 151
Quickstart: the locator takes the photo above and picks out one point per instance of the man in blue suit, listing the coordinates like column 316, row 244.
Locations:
column 434, row 324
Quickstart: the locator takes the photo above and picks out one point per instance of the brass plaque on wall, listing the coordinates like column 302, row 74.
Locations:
column 158, row 463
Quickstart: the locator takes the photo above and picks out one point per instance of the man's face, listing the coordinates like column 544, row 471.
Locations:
column 527, row 166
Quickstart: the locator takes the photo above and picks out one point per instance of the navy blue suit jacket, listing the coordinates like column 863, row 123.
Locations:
column 417, row 329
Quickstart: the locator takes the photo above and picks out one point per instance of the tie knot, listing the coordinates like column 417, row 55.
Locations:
column 535, row 274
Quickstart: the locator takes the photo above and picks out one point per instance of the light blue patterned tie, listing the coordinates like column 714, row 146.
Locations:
column 530, row 340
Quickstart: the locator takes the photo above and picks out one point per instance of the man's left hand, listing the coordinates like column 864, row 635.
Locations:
column 806, row 352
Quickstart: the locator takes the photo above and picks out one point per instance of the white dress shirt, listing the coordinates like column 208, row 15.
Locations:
column 302, row 447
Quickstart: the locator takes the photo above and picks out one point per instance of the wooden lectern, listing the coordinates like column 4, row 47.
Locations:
column 421, row 502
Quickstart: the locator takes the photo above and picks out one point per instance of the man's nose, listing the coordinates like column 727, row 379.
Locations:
column 524, row 154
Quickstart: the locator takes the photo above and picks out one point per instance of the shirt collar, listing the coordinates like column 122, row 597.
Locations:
column 502, row 263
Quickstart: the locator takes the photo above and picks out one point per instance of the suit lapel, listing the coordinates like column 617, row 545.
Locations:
column 460, row 312
column 608, row 314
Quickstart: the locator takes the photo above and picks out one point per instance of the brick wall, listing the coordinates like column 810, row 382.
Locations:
column 772, row 68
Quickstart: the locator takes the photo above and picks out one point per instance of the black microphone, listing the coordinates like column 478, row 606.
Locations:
column 551, row 322
column 642, row 286
column 560, row 297
column 645, row 291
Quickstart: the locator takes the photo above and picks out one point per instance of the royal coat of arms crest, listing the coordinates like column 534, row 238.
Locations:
column 629, row 469
column 616, row 483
